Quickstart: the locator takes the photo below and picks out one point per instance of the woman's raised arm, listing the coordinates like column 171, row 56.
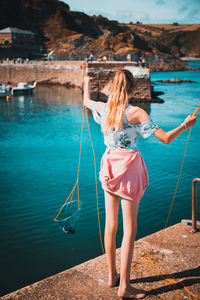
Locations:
column 99, row 106
column 86, row 98
column 166, row 137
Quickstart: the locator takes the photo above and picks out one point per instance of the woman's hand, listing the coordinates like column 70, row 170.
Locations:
column 86, row 96
column 190, row 121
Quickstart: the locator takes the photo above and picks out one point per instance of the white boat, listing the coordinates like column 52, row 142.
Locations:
column 4, row 93
column 23, row 88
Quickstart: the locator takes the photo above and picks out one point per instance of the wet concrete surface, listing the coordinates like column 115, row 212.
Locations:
column 166, row 264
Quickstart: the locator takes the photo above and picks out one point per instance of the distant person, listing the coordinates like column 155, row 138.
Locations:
column 8, row 86
column 91, row 57
column 105, row 58
column 140, row 62
column 143, row 62
column 129, row 57
column 123, row 173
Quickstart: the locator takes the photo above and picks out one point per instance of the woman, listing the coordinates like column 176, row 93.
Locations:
column 123, row 172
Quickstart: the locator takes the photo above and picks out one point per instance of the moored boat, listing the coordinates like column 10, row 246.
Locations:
column 23, row 88
column 4, row 93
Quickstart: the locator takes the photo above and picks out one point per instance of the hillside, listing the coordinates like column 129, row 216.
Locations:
column 75, row 35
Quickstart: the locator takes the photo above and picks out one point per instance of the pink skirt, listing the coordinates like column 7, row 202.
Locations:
column 123, row 173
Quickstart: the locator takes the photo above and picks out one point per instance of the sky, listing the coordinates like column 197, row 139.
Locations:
column 145, row 11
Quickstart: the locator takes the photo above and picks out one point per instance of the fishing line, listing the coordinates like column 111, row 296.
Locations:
column 69, row 213
column 148, row 257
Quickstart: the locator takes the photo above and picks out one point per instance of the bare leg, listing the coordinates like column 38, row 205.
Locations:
column 112, row 209
column 129, row 210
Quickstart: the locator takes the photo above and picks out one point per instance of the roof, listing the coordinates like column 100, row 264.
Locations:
column 16, row 30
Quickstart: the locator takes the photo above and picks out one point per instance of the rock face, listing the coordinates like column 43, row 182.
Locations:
column 180, row 43
column 50, row 19
column 175, row 80
column 168, row 64
column 74, row 35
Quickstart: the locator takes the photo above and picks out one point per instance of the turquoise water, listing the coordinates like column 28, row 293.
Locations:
column 39, row 142
column 195, row 64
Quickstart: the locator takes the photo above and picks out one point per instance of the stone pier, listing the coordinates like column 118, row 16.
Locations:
column 102, row 73
column 70, row 74
column 166, row 264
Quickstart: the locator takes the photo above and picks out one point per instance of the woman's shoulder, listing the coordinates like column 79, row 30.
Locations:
column 135, row 115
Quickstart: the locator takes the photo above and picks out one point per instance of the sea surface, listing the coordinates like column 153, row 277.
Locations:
column 39, row 151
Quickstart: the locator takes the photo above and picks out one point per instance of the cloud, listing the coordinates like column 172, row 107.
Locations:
column 141, row 16
column 146, row 11
column 192, row 16
column 160, row 2
column 124, row 14
column 127, row 15
column 183, row 9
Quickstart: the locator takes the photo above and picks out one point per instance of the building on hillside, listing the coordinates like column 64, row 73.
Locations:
column 15, row 42
column 16, row 37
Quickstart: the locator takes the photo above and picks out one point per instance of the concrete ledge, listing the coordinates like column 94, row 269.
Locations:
column 166, row 263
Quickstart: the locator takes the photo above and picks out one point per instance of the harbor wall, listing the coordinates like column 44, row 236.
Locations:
column 70, row 74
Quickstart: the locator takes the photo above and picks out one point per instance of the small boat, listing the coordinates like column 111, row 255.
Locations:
column 23, row 88
column 4, row 93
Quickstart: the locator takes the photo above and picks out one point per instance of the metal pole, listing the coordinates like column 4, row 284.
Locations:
column 194, row 204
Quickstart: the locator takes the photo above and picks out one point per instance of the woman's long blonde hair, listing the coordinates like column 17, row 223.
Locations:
column 121, row 86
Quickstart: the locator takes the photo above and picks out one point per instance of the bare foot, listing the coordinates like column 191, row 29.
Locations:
column 114, row 281
column 131, row 292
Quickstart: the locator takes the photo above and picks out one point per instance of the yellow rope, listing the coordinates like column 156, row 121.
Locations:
column 76, row 185
column 95, row 183
column 178, row 178
column 157, row 272
column 172, row 280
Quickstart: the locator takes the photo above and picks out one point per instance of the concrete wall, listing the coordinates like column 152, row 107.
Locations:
column 71, row 73
column 66, row 73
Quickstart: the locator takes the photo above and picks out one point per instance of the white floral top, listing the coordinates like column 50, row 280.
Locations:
column 124, row 138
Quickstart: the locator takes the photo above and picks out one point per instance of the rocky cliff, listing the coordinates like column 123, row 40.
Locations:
column 75, row 35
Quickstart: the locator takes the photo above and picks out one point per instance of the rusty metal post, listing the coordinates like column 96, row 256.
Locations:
column 194, row 204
